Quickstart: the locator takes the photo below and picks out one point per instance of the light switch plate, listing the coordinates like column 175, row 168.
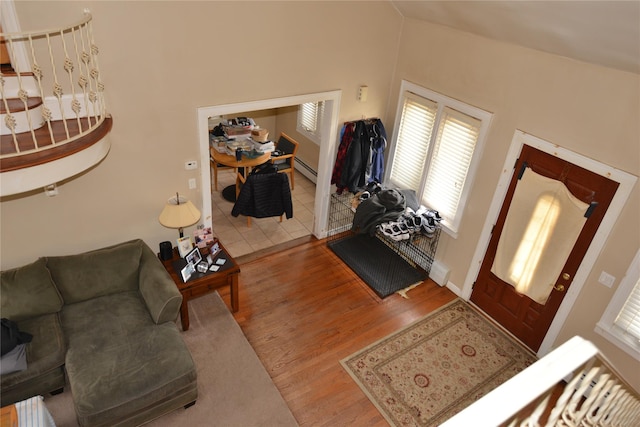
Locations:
column 606, row 279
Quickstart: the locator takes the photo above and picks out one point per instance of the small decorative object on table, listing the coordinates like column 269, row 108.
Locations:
column 185, row 245
column 202, row 267
column 203, row 237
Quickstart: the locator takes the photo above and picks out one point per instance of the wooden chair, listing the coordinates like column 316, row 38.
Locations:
column 288, row 147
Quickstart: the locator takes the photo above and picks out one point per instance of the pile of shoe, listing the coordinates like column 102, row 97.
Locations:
column 424, row 221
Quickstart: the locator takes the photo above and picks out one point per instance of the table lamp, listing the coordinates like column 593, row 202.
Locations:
column 179, row 213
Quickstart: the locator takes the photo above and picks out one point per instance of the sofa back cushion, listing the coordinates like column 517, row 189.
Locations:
column 27, row 292
column 101, row 272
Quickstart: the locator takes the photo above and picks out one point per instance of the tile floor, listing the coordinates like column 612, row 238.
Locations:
column 239, row 239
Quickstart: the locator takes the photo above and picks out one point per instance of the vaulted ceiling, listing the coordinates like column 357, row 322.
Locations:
column 600, row 32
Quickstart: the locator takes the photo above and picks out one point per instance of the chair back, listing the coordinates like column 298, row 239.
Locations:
column 286, row 145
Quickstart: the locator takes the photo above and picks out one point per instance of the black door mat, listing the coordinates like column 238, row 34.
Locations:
column 376, row 264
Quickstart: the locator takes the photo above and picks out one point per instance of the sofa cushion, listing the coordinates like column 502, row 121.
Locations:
column 28, row 291
column 45, row 360
column 97, row 273
column 126, row 366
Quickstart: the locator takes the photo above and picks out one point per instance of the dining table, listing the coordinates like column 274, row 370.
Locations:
column 242, row 167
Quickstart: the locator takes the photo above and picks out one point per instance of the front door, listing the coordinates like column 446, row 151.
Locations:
column 527, row 319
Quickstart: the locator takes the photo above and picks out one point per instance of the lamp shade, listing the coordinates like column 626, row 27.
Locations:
column 179, row 212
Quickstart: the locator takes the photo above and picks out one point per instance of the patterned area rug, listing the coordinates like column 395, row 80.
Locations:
column 434, row 368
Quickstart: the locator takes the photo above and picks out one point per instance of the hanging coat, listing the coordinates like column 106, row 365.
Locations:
column 378, row 137
column 355, row 164
column 346, row 135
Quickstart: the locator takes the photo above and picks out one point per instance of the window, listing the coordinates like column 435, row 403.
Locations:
column 309, row 120
column 438, row 145
column 620, row 322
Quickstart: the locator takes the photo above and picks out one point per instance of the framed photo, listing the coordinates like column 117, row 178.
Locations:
column 187, row 271
column 185, row 245
column 194, row 257
column 203, row 237
column 215, row 248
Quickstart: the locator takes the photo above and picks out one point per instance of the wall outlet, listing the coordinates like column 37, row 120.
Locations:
column 191, row 165
column 192, row 183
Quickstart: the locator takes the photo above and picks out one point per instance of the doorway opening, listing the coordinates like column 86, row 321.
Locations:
column 327, row 149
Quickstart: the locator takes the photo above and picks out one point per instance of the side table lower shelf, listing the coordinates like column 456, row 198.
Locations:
column 202, row 283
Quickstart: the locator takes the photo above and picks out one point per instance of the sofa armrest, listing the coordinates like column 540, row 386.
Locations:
column 161, row 295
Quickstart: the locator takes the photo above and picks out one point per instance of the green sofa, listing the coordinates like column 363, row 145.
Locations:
column 107, row 319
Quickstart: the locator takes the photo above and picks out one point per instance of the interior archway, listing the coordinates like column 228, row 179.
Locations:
column 327, row 148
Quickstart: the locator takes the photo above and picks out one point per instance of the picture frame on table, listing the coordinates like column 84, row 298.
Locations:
column 194, row 257
column 185, row 245
column 187, row 271
column 203, row 237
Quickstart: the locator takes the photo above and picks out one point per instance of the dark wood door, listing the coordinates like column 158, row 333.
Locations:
column 526, row 319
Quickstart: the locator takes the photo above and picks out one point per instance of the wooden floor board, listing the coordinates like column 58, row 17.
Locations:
column 303, row 311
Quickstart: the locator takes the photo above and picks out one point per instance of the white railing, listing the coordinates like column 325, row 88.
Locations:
column 60, row 68
column 572, row 386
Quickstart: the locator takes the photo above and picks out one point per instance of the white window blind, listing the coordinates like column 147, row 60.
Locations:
column 628, row 321
column 450, row 163
column 309, row 116
column 309, row 120
column 437, row 144
column 414, row 137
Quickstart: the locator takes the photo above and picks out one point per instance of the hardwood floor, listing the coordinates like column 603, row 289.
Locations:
column 303, row 311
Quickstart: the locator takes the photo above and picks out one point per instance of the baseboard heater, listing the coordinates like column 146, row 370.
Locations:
column 306, row 170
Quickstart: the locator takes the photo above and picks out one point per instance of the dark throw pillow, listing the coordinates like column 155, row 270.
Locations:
column 11, row 336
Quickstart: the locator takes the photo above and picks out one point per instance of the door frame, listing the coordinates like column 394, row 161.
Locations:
column 626, row 181
column 11, row 24
column 328, row 148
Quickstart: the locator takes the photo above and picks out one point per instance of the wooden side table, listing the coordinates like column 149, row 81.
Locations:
column 202, row 283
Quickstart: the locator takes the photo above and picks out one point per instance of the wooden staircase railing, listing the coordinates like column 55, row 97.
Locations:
column 62, row 63
column 573, row 385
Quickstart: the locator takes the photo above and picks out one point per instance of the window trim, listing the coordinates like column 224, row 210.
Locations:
column 606, row 326
column 443, row 101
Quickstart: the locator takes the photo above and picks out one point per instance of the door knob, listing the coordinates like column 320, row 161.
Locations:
column 558, row 287
column 566, row 276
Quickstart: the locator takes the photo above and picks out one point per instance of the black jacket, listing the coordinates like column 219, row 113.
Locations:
column 385, row 206
column 357, row 159
column 264, row 195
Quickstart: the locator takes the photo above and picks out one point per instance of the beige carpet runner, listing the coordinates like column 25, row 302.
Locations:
column 427, row 372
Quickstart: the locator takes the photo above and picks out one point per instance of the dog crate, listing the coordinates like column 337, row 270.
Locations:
column 419, row 250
